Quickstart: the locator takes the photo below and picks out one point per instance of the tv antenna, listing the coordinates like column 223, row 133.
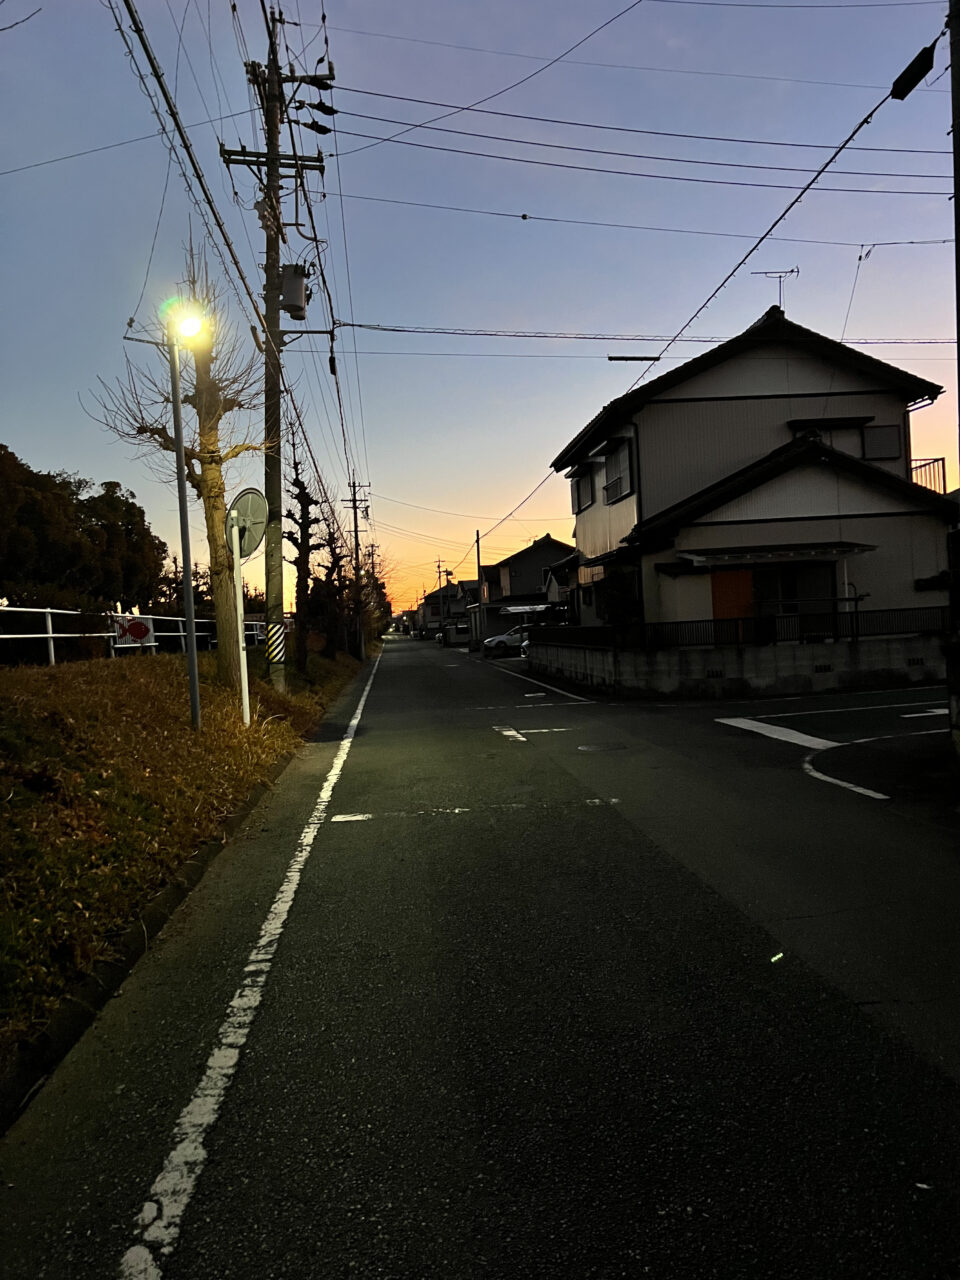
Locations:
column 779, row 276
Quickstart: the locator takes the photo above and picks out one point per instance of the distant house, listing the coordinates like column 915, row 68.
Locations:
column 768, row 483
column 517, row 587
column 527, row 570
column 439, row 606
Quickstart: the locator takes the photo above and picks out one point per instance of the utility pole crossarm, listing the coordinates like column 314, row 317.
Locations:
column 259, row 159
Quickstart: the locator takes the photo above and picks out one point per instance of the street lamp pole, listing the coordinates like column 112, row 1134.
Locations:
column 173, row 350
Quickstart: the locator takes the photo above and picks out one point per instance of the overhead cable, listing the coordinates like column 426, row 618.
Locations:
column 622, row 66
column 634, row 155
column 652, row 133
column 657, row 177
column 516, row 83
column 792, row 205
column 631, row 226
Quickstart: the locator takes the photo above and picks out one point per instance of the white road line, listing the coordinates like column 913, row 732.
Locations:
column 351, row 817
column 509, row 733
column 916, row 715
column 836, row 711
column 548, row 731
column 158, row 1223
column 838, row 782
column 778, row 731
column 520, row 676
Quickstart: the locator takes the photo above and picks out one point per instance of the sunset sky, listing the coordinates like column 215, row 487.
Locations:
column 452, row 432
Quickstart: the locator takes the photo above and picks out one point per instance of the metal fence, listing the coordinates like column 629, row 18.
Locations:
column 39, row 632
column 931, row 473
column 787, row 628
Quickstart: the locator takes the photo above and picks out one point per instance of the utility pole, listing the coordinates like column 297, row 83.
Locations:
column 440, row 589
column 480, row 626
column 355, row 502
column 268, row 165
column 272, row 459
column 952, row 646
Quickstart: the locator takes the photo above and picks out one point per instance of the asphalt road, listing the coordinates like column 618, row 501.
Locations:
column 509, row 984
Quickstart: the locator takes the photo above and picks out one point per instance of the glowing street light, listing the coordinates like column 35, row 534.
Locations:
column 184, row 324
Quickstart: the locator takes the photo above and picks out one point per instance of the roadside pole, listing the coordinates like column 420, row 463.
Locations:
column 241, row 628
column 952, row 646
column 479, row 596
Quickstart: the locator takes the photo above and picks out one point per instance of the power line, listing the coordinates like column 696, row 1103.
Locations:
column 630, row 226
column 630, row 173
column 566, row 335
column 516, row 83
column 185, row 143
column 634, row 155
column 460, row 514
column 653, row 133
column 758, row 4
column 780, row 217
column 619, row 66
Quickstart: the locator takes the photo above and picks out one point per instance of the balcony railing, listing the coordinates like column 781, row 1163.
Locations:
column 930, row 472
column 787, row 628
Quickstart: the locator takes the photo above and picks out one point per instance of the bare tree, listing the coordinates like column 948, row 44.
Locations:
column 137, row 408
column 301, row 538
column 328, row 588
column 20, row 21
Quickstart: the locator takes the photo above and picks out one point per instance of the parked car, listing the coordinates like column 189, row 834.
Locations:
column 500, row 646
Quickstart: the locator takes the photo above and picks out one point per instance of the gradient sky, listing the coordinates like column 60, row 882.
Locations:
column 452, row 432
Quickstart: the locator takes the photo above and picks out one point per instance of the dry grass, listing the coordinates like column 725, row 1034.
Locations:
column 105, row 792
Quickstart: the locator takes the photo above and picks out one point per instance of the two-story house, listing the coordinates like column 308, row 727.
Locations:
column 770, row 477
column 515, row 587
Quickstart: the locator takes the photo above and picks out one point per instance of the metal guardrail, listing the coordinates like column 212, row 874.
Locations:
column 75, row 624
column 788, row 628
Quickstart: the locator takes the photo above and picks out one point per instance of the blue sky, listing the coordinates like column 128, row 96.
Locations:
column 469, row 425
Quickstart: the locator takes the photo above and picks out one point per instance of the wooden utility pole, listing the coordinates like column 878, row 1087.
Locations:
column 354, row 502
column 952, row 646
column 268, row 165
column 480, row 627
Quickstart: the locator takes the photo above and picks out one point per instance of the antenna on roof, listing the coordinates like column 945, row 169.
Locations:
column 779, row 276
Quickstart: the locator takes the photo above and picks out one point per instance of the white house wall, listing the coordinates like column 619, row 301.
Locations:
column 683, row 447
column 600, row 528
column 809, row 491
column 772, row 370
column 909, row 546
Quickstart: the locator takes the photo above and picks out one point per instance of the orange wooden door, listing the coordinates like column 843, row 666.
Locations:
column 732, row 593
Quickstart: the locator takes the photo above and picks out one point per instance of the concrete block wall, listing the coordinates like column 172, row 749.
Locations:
column 729, row 671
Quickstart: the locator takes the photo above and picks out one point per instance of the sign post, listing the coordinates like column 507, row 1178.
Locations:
column 246, row 522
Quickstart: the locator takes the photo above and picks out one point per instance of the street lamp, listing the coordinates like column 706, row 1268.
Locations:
column 184, row 326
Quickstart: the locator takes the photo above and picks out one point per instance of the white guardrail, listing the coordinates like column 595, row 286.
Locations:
column 125, row 633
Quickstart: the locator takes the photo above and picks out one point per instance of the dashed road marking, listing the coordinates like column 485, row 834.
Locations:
column 352, row 817
column 917, row 715
column 509, row 733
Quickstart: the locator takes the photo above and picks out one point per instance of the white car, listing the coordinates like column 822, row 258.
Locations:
column 500, row 646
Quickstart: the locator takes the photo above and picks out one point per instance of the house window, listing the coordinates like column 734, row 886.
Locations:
column 581, row 491
column 881, row 444
column 617, row 473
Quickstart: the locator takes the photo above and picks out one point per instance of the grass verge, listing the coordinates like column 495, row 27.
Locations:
column 105, row 793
